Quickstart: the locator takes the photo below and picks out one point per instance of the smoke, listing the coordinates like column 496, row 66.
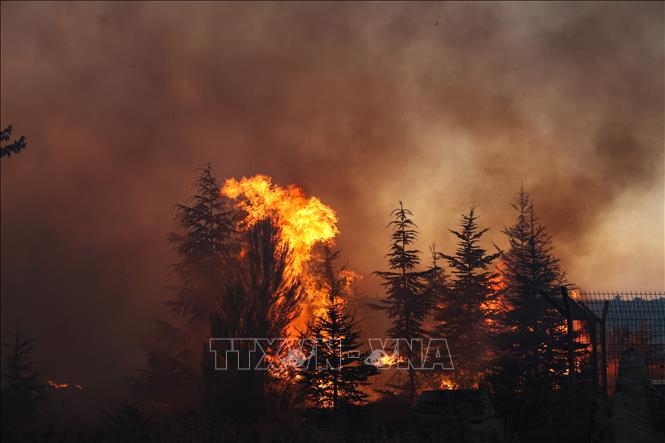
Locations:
column 439, row 105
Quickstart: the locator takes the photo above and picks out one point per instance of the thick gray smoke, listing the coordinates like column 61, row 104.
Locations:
column 439, row 105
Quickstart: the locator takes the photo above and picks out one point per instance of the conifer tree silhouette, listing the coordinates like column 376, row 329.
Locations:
column 460, row 318
column 333, row 376
column 206, row 245
column 407, row 302
column 22, row 391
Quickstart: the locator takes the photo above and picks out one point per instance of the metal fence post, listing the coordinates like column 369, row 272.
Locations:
column 603, row 345
column 594, row 355
column 571, row 342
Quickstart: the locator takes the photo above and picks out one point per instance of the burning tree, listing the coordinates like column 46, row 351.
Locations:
column 531, row 334
column 304, row 222
column 460, row 316
column 332, row 378
column 22, row 392
column 260, row 300
column 206, row 245
column 297, row 223
column 407, row 303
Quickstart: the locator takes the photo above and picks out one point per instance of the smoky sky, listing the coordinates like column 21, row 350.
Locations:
column 441, row 105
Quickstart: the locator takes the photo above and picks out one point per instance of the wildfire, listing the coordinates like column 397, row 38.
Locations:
column 499, row 283
column 498, row 305
column 303, row 223
column 55, row 385
column 389, row 360
column 574, row 294
column 447, row 384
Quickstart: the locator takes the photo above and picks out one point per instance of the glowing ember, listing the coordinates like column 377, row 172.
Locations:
column 303, row 223
column 55, row 385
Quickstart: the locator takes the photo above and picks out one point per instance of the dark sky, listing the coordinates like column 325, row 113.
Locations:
column 439, row 105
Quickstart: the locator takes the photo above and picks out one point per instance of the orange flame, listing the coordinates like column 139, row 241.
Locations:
column 447, row 384
column 498, row 305
column 304, row 222
column 389, row 360
column 499, row 282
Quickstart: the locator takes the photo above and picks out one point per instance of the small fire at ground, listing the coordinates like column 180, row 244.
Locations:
column 447, row 384
column 57, row 385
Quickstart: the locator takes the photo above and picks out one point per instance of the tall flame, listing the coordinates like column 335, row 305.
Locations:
column 303, row 223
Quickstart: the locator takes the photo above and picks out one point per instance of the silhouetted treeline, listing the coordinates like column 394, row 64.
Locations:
column 232, row 282
column 502, row 335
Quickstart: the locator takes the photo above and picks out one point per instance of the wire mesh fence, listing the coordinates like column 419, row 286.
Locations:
column 621, row 320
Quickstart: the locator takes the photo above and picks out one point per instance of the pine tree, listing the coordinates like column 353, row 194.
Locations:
column 259, row 300
column 334, row 335
column 206, row 245
column 436, row 287
column 460, row 317
column 532, row 339
column 407, row 303
column 436, row 278
column 22, row 392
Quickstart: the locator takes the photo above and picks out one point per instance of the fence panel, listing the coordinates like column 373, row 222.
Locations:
column 632, row 319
